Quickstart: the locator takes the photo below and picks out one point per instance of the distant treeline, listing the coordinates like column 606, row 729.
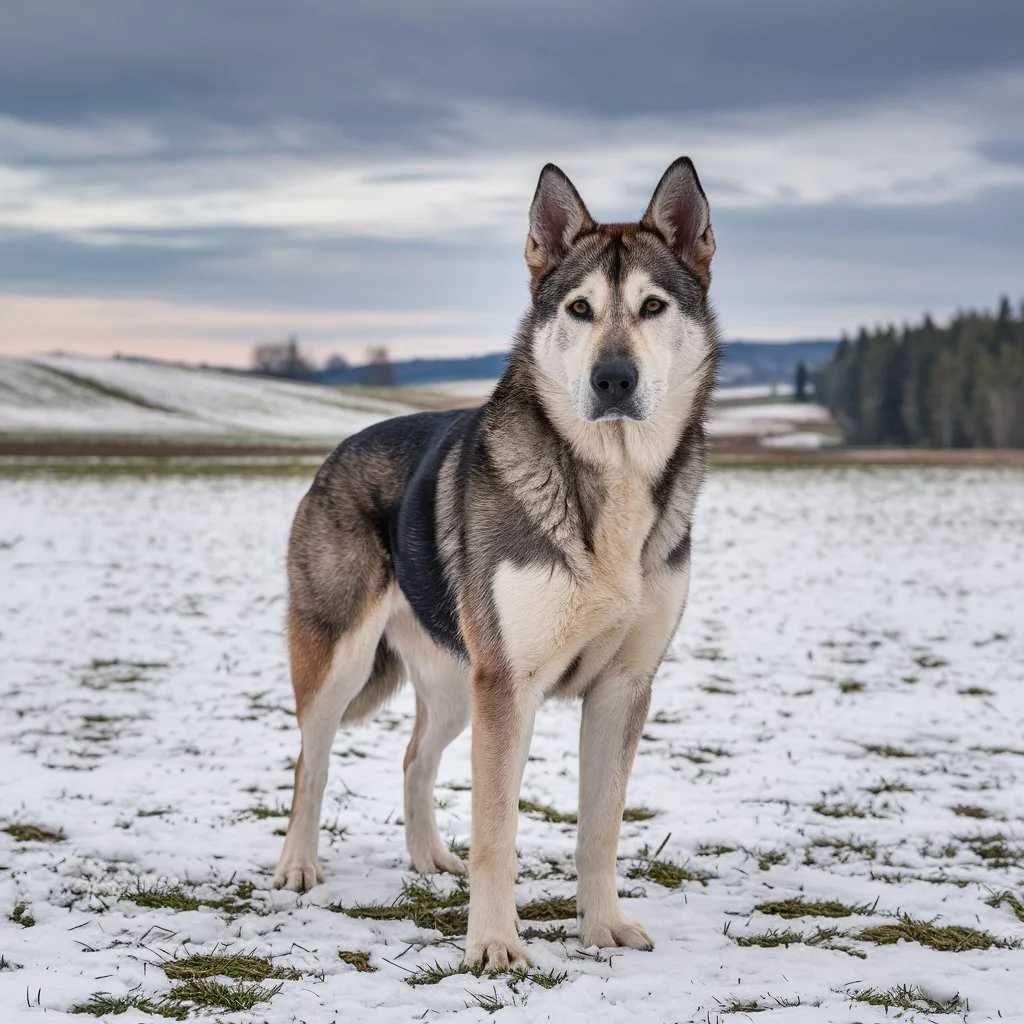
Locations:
column 959, row 386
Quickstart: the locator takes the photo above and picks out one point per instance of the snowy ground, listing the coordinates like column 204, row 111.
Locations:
column 840, row 720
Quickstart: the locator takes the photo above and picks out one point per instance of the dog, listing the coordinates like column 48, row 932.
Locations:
column 535, row 547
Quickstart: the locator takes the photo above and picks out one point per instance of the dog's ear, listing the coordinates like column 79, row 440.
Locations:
column 679, row 212
column 557, row 216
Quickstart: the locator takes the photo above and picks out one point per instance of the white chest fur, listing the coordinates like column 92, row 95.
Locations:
column 550, row 613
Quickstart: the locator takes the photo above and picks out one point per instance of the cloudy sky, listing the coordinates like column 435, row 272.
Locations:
column 184, row 177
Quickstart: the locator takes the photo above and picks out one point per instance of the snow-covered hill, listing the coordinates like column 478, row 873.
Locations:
column 62, row 395
column 57, row 395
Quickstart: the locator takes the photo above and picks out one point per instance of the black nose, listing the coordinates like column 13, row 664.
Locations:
column 613, row 382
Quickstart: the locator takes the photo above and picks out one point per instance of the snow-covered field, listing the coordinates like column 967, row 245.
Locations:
column 76, row 395
column 838, row 731
column 778, row 424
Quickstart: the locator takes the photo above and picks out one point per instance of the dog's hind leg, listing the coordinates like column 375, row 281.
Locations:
column 326, row 678
column 442, row 712
column 441, row 715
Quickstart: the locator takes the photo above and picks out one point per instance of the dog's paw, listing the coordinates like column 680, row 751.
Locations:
column 618, row 932
column 299, row 874
column 495, row 955
column 433, row 862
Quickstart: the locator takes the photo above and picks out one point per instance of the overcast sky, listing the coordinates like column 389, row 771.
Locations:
column 184, row 177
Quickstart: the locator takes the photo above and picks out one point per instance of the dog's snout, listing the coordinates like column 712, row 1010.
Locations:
column 613, row 381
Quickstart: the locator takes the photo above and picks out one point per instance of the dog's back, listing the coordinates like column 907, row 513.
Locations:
column 367, row 522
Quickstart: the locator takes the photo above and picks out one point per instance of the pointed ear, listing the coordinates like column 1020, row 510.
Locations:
column 557, row 216
column 679, row 212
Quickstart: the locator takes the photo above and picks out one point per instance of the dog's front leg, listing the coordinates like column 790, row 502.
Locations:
column 614, row 710
column 502, row 728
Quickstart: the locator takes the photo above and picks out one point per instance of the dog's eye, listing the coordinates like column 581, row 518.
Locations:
column 652, row 307
column 581, row 310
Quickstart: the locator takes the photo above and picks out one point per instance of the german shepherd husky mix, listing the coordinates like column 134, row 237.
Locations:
column 536, row 547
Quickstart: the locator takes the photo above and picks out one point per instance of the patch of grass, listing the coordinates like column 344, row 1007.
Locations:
column 767, row 859
column 103, row 1004
column 554, row 908
column 1014, row 902
column 238, row 966
column 851, row 686
column 663, row 718
column 906, row 997
column 666, row 873
column 714, row 850
column 840, row 810
column 944, row 938
column 490, row 1003
column 795, row 907
column 770, row 938
column 422, row 903
column 546, row 813
column 545, row 979
column 162, row 895
column 33, row 834
column 885, row 786
column 842, row 849
column 261, row 812
column 552, row 933
column 710, row 654
column 107, row 671
column 20, row 915
column 820, row 938
column 735, row 1005
column 888, row 750
column 435, row 973
column 100, row 664
column 716, row 688
column 638, row 814
column 970, row 811
column 702, row 755
column 976, row 691
column 994, row 849
column 930, row 661
column 202, row 993
column 9, row 965
column 358, row 959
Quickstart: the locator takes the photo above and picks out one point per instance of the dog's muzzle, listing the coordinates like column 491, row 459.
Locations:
column 613, row 391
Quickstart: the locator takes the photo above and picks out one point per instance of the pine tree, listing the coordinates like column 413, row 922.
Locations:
column 956, row 386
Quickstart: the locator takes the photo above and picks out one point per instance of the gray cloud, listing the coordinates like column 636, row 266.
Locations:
column 863, row 160
column 378, row 70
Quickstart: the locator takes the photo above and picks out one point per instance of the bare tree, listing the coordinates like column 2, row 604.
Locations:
column 281, row 359
column 379, row 370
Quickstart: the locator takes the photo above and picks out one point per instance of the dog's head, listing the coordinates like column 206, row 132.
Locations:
column 621, row 318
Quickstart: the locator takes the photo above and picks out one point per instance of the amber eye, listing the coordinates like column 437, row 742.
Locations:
column 581, row 309
column 652, row 307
